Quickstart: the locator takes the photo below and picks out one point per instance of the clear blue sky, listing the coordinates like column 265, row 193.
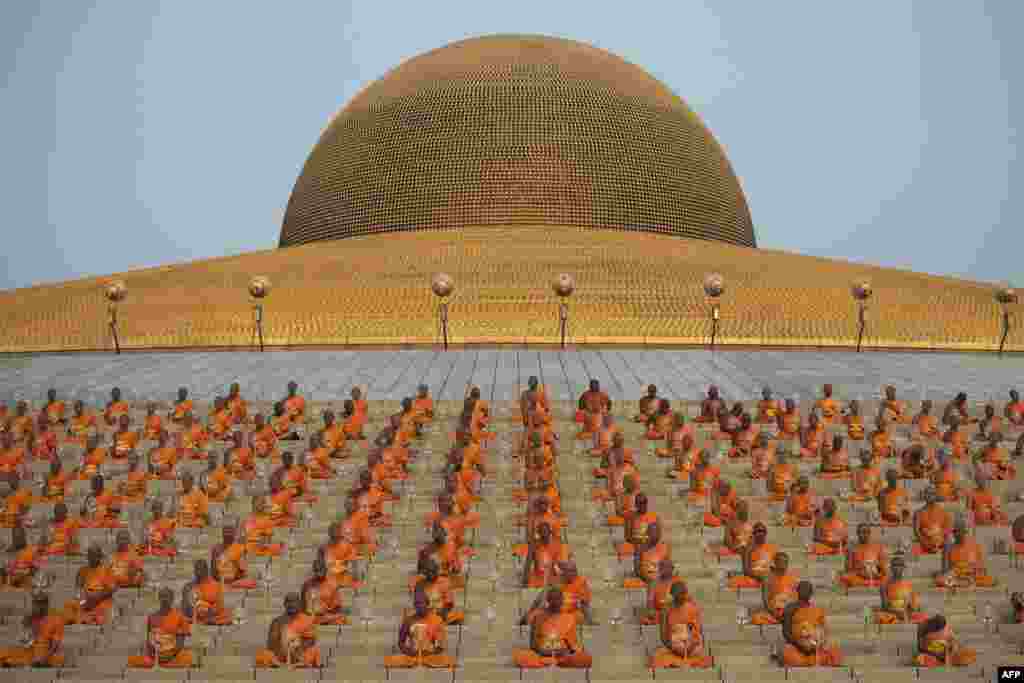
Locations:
column 138, row 133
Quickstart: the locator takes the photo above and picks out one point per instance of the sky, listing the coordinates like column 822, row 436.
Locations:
column 143, row 133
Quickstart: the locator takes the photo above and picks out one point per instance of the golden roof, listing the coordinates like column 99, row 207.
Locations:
column 517, row 130
column 631, row 288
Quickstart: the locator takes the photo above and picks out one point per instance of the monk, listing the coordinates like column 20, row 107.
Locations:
column 925, row 424
column 576, row 597
column 637, row 523
column 126, row 563
column 115, row 408
column 801, row 509
column 63, row 532
column 94, row 459
column 959, row 410
column 438, row 590
column 867, row 479
column 356, row 529
column 757, row 560
column 160, row 534
column 193, row 505
column 96, row 585
column 867, row 565
column 659, row 424
column 723, row 504
column 291, row 640
column 1014, row 412
column 422, row 639
column 338, row 554
column 45, row 635
column 685, row 460
column 541, row 567
column 553, row 640
column 932, row 527
column 703, row 479
column 228, row 562
column 900, row 602
column 917, row 462
column 681, row 631
column 56, row 484
column 937, row 646
column 202, row 599
column 789, row 422
column 956, row 439
column 985, row 505
column 321, row 597
column 25, row 563
column 806, row 632
column 995, row 461
column 828, row 407
column 830, row 531
column 963, row 563
column 777, row 591
column 854, row 422
column 16, row 503
column 82, row 424
column 182, row 406
column 101, row 508
column 646, row 557
column 166, row 631
column 781, row 477
column 710, row 406
column 659, row 593
column 762, row 458
column 881, row 440
column 894, row 501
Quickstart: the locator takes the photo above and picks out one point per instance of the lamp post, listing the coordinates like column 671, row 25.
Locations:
column 1005, row 296
column 861, row 291
column 714, row 286
column 442, row 285
column 563, row 287
column 114, row 292
column 259, row 288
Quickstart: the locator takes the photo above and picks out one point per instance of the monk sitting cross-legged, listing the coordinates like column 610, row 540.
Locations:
column 894, row 501
column 321, row 596
column 867, row 565
column 801, row 509
column 681, row 631
column 166, row 631
column 757, row 560
column 422, row 639
column 576, row 597
column 835, row 461
column 900, row 603
column 228, row 562
column 938, row 647
column 806, row 632
column 291, row 640
column 660, row 423
column 985, row 505
column 830, row 531
column 963, row 563
column 202, row 599
column 438, row 590
column 659, row 593
column 777, row 591
column 96, row 585
column 723, row 504
column 647, row 557
column 638, row 521
column 553, row 640
column 649, row 404
column 44, row 636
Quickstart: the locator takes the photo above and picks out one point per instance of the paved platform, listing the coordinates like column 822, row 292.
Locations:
column 392, row 375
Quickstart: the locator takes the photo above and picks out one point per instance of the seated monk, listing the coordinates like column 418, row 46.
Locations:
column 768, row 408
column 93, row 460
column 125, row 439
column 53, row 411
column 659, row 425
column 553, row 640
column 236, row 405
column 321, row 596
column 637, row 522
column 16, row 503
column 182, row 406
column 356, row 529
column 812, row 437
column 958, row 410
column 438, row 590
column 956, row 440
column 25, row 562
column 946, row 480
column 594, row 402
column 830, row 531
column 101, row 508
column 541, row 567
column 685, row 460
column 867, row 565
column 82, row 424
column 827, row 406
column 96, row 585
column 894, row 501
column 762, row 457
column 115, row 408
column 56, row 484
column 781, row 477
column 166, row 630
column 854, row 422
column 925, row 424
column 778, row 590
column 710, row 407
column 995, row 461
column 900, row 602
column 963, row 563
column 202, row 599
column 881, row 441
column 985, row 505
column 280, row 508
column 681, row 632
column 126, row 563
column 932, row 527
column 744, row 438
column 227, row 560
column 649, row 404
column 163, row 458
column 723, row 504
column 801, row 509
column 659, row 593
column 703, row 480
column 160, row 534
column 215, row 482
column 738, row 533
column 291, row 640
column 1014, row 412
column 133, row 488
column 193, row 505
column 338, row 555
column 44, row 639
column 789, row 422
column 806, row 632
column 893, row 410
column 835, row 461
column 264, row 439
column 867, row 479
column 63, row 532
column 576, row 597
column 646, row 558
column 540, row 513
column 422, row 639
column 445, row 554
column 917, row 462
column 675, row 437
column 293, row 478
column 318, row 458
column 757, row 560
column 937, row 646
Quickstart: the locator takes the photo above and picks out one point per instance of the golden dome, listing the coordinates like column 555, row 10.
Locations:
column 517, row 130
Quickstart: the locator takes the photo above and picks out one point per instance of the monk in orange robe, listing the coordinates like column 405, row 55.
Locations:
column 338, row 555
column 778, row 590
column 166, row 631
column 321, row 596
column 963, row 563
column 228, row 562
column 193, row 505
column 781, row 477
column 81, row 425
column 438, row 590
column 202, row 599
column 592, row 405
column 115, row 408
column 153, row 424
column 659, row 424
column 46, row 639
column 541, row 567
column 830, row 531
column 291, row 640
column 16, row 504
column 828, row 407
column 1014, row 412
column 63, row 532
column 96, row 585
column 938, row 647
column 681, row 630
column 894, row 501
column 25, row 563
column 576, row 597
column 867, row 565
column 801, row 509
column 160, row 534
column 93, row 460
column 932, row 527
column 659, row 593
column 925, row 424
column 553, row 640
column 806, row 632
column 723, row 504
column 646, row 558
column 102, row 507
column 958, row 410
column 126, row 563
column 422, row 639
column 900, row 602
column 985, row 505
column 757, row 560
column 768, row 408
column 182, row 406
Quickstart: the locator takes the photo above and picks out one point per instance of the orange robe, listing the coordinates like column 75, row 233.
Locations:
column 163, row 633
column 550, row 634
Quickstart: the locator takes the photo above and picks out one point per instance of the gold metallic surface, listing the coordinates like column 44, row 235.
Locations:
column 514, row 130
column 631, row 288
